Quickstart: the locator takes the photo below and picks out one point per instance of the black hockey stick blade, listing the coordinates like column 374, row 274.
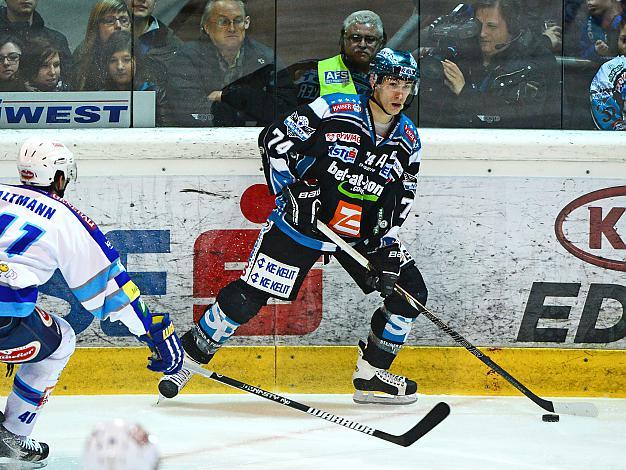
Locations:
column 426, row 424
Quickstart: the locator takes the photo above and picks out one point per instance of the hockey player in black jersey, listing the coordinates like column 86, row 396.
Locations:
column 350, row 161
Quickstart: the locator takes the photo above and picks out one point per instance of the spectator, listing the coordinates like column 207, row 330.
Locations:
column 599, row 30
column 122, row 74
column 608, row 88
column 107, row 16
column 512, row 83
column 20, row 19
column 41, row 67
column 362, row 36
column 151, row 35
column 10, row 56
column 226, row 78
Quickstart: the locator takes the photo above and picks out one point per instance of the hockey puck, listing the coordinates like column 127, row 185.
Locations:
column 550, row 418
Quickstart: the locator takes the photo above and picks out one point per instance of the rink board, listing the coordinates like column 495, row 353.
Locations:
column 520, row 237
column 328, row 369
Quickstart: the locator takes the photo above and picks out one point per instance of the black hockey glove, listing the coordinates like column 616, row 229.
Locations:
column 301, row 205
column 167, row 352
column 386, row 263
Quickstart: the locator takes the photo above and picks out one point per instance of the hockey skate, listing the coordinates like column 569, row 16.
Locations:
column 199, row 349
column 375, row 385
column 21, row 449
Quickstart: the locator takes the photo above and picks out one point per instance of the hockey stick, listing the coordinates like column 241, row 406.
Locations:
column 573, row 408
column 427, row 423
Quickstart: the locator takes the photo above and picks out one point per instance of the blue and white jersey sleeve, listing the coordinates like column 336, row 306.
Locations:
column 40, row 233
column 99, row 280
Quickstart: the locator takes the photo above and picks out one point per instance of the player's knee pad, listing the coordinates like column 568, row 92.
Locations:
column 240, row 301
column 30, row 339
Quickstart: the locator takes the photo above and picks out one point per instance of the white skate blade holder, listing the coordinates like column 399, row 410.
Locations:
column 369, row 397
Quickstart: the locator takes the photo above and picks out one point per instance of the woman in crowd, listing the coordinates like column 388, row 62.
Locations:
column 107, row 17
column 10, row 54
column 41, row 66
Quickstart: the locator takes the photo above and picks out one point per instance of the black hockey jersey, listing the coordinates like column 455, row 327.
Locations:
column 367, row 183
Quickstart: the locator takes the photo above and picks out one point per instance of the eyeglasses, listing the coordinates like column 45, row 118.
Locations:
column 111, row 20
column 225, row 23
column 357, row 38
column 12, row 58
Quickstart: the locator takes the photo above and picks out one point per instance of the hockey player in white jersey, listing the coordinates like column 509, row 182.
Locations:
column 40, row 232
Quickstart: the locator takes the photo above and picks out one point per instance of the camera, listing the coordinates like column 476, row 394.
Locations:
column 449, row 34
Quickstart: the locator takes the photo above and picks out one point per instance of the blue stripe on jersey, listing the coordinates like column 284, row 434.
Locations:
column 112, row 303
column 280, row 179
column 26, row 392
column 297, row 237
column 122, row 278
column 17, row 302
column 304, row 164
column 98, row 283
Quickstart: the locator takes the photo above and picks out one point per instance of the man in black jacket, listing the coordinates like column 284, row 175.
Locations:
column 20, row 19
column 512, row 83
column 225, row 78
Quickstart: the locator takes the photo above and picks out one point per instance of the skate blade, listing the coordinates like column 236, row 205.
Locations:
column 12, row 464
column 365, row 397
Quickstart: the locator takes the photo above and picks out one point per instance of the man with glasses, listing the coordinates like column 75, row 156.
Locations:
column 20, row 19
column 351, row 161
column 225, row 78
column 362, row 36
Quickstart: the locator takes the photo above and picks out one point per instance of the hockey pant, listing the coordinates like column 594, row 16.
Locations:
column 277, row 267
column 42, row 344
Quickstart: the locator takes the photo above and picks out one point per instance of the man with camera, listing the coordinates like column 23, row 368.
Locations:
column 511, row 81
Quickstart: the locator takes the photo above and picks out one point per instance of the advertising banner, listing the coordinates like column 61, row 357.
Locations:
column 77, row 110
column 508, row 261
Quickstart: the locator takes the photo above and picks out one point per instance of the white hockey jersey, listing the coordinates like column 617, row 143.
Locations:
column 39, row 233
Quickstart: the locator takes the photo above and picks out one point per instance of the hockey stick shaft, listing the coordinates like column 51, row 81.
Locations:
column 580, row 409
column 432, row 419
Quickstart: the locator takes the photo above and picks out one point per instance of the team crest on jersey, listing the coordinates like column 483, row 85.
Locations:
column 337, row 77
column 21, row 353
column 343, row 153
column 342, row 107
column 298, row 126
column 343, row 136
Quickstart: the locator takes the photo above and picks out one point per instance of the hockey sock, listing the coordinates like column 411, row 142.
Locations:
column 216, row 325
column 389, row 332
column 34, row 383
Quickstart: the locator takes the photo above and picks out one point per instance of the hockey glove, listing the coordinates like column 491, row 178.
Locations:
column 167, row 352
column 386, row 263
column 301, row 205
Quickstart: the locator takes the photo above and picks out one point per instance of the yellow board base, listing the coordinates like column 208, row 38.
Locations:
column 328, row 369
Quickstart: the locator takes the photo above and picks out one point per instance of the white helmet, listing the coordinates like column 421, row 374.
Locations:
column 40, row 159
column 118, row 445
